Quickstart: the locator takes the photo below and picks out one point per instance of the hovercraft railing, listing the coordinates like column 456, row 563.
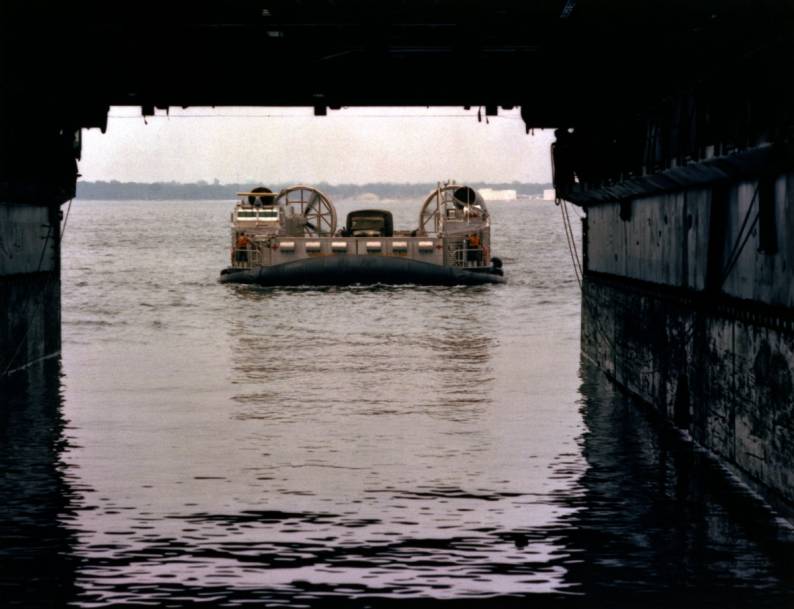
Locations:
column 456, row 252
column 467, row 257
column 246, row 258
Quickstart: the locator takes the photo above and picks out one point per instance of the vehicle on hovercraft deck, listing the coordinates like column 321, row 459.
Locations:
column 291, row 238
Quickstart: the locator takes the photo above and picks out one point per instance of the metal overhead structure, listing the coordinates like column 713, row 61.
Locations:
column 562, row 61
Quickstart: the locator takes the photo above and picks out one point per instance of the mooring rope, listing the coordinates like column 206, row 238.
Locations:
column 569, row 237
column 597, row 327
column 741, row 239
column 66, row 219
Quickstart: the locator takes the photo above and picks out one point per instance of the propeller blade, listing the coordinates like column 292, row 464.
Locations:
column 314, row 200
column 311, row 226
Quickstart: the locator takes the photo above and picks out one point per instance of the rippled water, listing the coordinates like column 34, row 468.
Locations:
column 222, row 445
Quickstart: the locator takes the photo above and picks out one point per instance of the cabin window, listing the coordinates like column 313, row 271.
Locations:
column 268, row 214
column 246, row 214
column 367, row 223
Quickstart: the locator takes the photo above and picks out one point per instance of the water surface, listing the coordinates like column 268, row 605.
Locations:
column 223, row 444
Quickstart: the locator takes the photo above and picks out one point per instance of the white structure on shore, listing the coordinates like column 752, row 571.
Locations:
column 489, row 194
column 549, row 194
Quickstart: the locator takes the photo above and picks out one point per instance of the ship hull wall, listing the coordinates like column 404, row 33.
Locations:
column 681, row 314
column 30, row 285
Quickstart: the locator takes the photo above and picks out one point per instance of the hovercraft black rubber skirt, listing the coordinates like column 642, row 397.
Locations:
column 350, row 270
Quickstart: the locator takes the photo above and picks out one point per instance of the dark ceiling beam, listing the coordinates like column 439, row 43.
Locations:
column 565, row 63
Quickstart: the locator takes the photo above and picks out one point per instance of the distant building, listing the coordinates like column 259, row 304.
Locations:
column 489, row 194
column 549, row 194
column 368, row 197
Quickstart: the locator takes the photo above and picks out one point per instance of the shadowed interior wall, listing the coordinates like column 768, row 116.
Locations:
column 30, row 285
column 716, row 360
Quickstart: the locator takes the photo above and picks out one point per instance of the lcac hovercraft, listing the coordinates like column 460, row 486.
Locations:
column 291, row 238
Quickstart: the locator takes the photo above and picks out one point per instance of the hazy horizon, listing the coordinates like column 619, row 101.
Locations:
column 217, row 182
column 349, row 146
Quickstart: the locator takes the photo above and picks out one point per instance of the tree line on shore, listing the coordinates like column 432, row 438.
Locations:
column 202, row 190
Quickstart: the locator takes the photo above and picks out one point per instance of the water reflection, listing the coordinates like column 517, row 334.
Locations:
column 391, row 460
column 294, row 356
column 37, row 566
column 355, row 447
column 658, row 522
column 644, row 519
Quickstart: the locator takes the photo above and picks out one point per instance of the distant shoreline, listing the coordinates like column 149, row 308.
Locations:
column 175, row 191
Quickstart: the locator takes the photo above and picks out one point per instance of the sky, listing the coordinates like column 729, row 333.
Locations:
column 352, row 145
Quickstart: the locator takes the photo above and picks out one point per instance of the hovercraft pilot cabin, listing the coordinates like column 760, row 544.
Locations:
column 291, row 238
